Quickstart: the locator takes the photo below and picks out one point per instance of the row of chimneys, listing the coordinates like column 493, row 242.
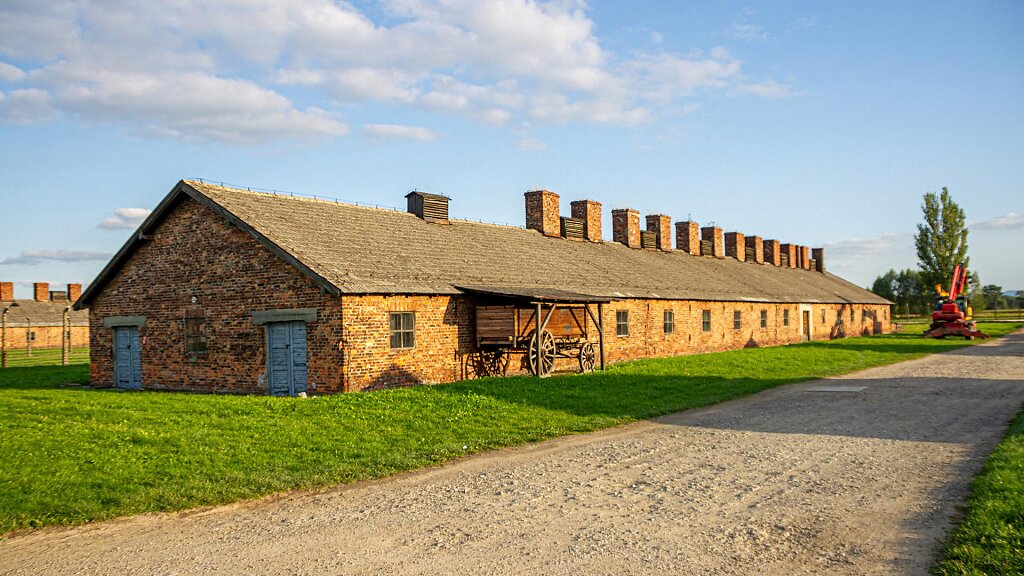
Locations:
column 41, row 292
column 542, row 215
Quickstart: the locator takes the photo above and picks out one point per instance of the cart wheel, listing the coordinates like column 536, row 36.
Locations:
column 588, row 358
column 496, row 362
column 544, row 351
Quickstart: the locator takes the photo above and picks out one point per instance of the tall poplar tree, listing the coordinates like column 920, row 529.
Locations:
column 941, row 240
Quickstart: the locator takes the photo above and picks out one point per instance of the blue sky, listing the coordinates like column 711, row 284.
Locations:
column 817, row 123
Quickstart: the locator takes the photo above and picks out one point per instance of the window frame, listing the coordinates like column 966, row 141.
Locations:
column 737, row 320
column 622, row 323
column 669, row 322
column 197, row 337
column 785, row 317
column 406, row 334
column 764, row 319
column 705, row 320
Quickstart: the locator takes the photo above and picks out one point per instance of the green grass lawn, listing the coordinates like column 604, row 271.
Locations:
column 72, row 455
column 990, row 540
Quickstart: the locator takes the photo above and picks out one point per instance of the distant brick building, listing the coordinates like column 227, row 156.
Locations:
column 39, row 321
column 230, row 290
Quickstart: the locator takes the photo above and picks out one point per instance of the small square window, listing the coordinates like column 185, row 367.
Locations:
column 622, row 322
column 403, row 330
column 705, row 317
column 737, row 320
column 764, row 318
column 670, row 322
column 195, row 335
column 785, row 317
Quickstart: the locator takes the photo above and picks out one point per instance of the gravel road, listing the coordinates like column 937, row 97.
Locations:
column 852, row 475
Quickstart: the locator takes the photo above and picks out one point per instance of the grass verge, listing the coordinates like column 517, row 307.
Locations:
column 990, row 540
column 73, row 455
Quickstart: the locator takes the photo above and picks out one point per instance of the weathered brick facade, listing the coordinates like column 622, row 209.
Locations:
column 735, row 246
column 662, row 226
column 755, row 244
column 713, row 234
column 197, row 265
column 590, row 212
column 626, row 227
column 46, row 336
column 688, row 237
column 542, row 212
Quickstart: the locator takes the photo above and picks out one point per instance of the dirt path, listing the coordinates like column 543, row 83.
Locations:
column 799, row 479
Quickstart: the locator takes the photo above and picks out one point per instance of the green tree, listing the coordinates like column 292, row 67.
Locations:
column 993, row 296
column 1020, row 298
column 941, row 241
column 885, row 286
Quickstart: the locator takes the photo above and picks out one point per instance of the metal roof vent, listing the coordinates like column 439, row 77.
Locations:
column 430, row 207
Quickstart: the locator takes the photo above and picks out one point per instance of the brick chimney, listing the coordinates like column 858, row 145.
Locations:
column 542, row 212
column 688, row 237
column 755, row 249
column 805, row 257
column 819, row 259
column 6, row 291
column 41, row 291
column 626, row 227
column 662, row 225
column 789, row 250
column 772, row 252
column 590, row 212
column 713, row 234
column 735, row 246
column 74, row 292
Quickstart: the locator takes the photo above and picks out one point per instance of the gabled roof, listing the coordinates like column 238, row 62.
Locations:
column 351, row 249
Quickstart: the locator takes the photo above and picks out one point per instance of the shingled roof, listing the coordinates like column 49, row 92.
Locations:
column 352, row 249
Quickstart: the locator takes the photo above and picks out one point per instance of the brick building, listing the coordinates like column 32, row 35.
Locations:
column 39, row 322
column 231, row 290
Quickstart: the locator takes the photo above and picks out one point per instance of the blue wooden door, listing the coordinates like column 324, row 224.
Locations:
column 286, row 357
column 127, row 358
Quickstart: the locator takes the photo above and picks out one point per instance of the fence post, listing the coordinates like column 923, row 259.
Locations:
column 3, row 339
column 65, row 337
column 28, row 337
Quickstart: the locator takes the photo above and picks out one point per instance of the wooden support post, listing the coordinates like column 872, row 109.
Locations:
column 600, row 331
column 536, row 338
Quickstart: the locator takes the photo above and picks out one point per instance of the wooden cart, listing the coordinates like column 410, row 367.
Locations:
column 507, row 325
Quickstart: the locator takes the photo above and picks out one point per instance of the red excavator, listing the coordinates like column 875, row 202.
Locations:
column 953, row 315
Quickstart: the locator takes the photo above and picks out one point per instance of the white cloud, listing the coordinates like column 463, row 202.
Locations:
column 124, row 218
column 768, row 89
column 10, row 73
column 749, row 32
column 398, row 131
column 207, row 71
column 531, row 144
column 868, row 248
column 34, row 257
column 1008, row 221
column 28, row 106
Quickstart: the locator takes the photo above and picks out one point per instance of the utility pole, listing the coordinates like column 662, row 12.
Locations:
column 3, row 338
column 28, row 337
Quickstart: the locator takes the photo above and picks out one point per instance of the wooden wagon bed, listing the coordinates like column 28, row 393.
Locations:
column 541, row 324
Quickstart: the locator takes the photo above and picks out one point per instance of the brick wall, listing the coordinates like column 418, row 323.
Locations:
column 194, row 253
column 47, row 336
